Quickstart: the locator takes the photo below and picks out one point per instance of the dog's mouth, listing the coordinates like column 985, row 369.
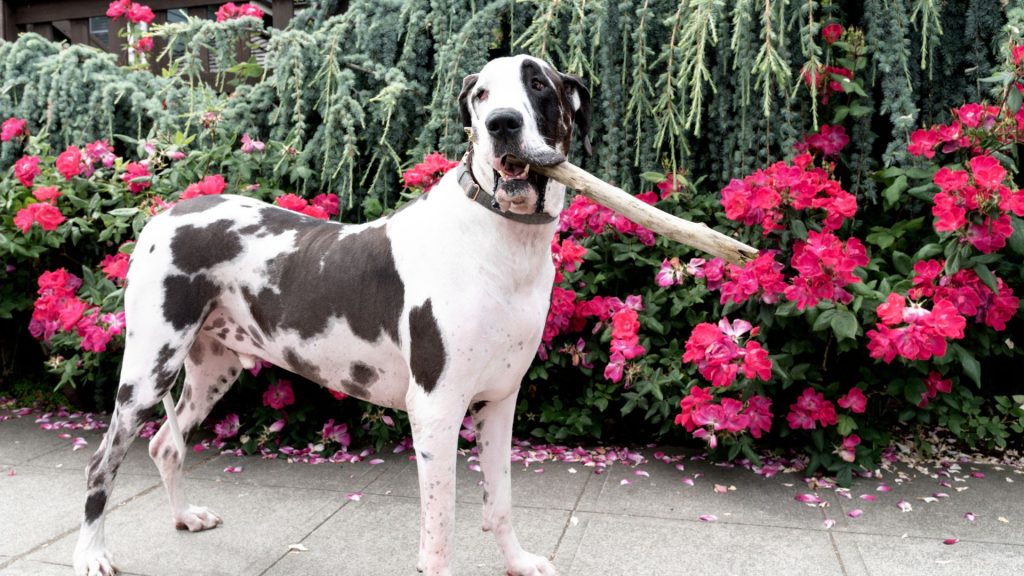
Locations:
column 518, row 188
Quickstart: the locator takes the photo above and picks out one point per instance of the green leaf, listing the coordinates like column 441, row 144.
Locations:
column 928, row 251
column 652, row 177
column 903, row 263
column 893, row 192
column 970, row 364
column 881, row 239
column 845, row 425
column 734, row 451
column 824, row 320
column 845, row 325
column 123, row 212
column 987, row 277
column 1014, row 100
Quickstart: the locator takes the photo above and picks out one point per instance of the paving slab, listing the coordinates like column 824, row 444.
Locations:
column 871, row 555
column 23, row 440
column 380, row 536
column 551, row 485
column 259, row 524
column 615, row 544
column 39, row 505
column 663, row 494
column 346, row 477
column 988, row 498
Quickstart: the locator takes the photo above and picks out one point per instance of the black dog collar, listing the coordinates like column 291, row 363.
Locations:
column 476, row 193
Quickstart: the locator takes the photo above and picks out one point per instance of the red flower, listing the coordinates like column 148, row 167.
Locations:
column 832, row 33
column 279, row 395
column 934, row 384
column 118, row 8
column 848, row 449
column 987, row 171
column 854, row 401
column 26, row 169
column 923, row 332
column 624, row 324
column 69, row 163
column 811, row 408
column 45, row 214
column 46, row 193
column 328, row 202
column 115, row 266
column 759, row 414
column 825, row 266
column 761, row 277
column 208, row 186
column 829, row 141
column 137, row 176
column 315, row 212
column 230, row 11
column 144, row 44
column 1018, row 54
column 139, row 13
column 697, row 398
column 427, row 173
column 291, row 202
column 718, row 357
column 990, row 236
column 923, row 143
column 12, row 128
column 951, row 216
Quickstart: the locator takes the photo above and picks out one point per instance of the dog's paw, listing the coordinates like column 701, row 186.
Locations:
column 531, row 565
column 196, row 519
column 94, row 564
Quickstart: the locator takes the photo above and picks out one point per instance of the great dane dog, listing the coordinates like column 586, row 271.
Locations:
column 437, row 309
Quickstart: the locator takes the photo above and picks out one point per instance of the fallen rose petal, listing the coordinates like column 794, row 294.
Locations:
column 884, row 488
column 233, row 469
column 276, row 426
column 828, row 523
column 807, row 498
column 643, row 473
column 688, row 481
column 708, row 518
column 375, row 461
column 354, row 496
column 940, row 495
column 297, row 548
column 950, row 541
column 868, row 497
column 904, row 506
column 855, row 513
column 1003, row 520
column 625, row 482
column 928, row 499
column 978, row 474
column 970, row 517
column 719, row 489
column 78, row 443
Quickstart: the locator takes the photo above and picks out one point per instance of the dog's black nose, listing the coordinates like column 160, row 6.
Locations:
column 504, row 124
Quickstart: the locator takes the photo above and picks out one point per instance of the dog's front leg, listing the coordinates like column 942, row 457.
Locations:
column 436, row 420
column 493, row 421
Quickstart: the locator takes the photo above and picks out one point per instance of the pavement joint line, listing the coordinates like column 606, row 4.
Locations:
column 726, row 523
column 926, row 538
column 324, row 521
column 568, row 521
column 835, row 548
column 144, row 492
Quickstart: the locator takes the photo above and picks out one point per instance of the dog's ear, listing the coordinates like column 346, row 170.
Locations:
column 467, row 84
column 579, row 97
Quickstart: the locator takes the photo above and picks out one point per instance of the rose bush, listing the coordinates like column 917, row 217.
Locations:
column 862, row 313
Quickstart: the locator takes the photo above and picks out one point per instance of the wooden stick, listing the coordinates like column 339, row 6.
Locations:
column 694, row 234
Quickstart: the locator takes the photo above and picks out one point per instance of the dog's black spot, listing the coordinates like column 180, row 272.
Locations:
column 195, row 353
column 478, row 406
column 195, row 249
column 426, row 456
column 250, row 230
column 167, row 452
column 141, row 417
column 363, row 374
column 125, row 393
column 186, row 394
column 97, row 480
column 152, row 248
column 301, row 366
column 196, row 205
column 354, row 390
column 327, row 277
column 257, row 338
column 94, row 463
column 216, row 348
column 233, row 372
column 239, row 331
column 427, row 355
column 480, row 426
column 550, row 93
column 94, row 506
column 164, row 371
column 223, row 334
column 186, row 300
column 486, row 496
column 218, row 322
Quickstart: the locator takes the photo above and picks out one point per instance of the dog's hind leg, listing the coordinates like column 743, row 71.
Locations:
column 147, row 373
column 493, row 421
column 210, row 370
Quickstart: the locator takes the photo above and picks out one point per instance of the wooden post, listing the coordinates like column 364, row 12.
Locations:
column 283, row 10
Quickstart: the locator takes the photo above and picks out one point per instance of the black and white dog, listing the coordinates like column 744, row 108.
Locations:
column 436, row 310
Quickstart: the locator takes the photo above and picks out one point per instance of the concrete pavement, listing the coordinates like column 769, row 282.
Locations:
column 298, row 519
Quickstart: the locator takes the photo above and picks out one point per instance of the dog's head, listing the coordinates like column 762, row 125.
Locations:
column 522, row 113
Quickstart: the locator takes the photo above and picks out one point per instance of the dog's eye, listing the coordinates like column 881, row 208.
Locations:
column 538, row 84
column 481, row 95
